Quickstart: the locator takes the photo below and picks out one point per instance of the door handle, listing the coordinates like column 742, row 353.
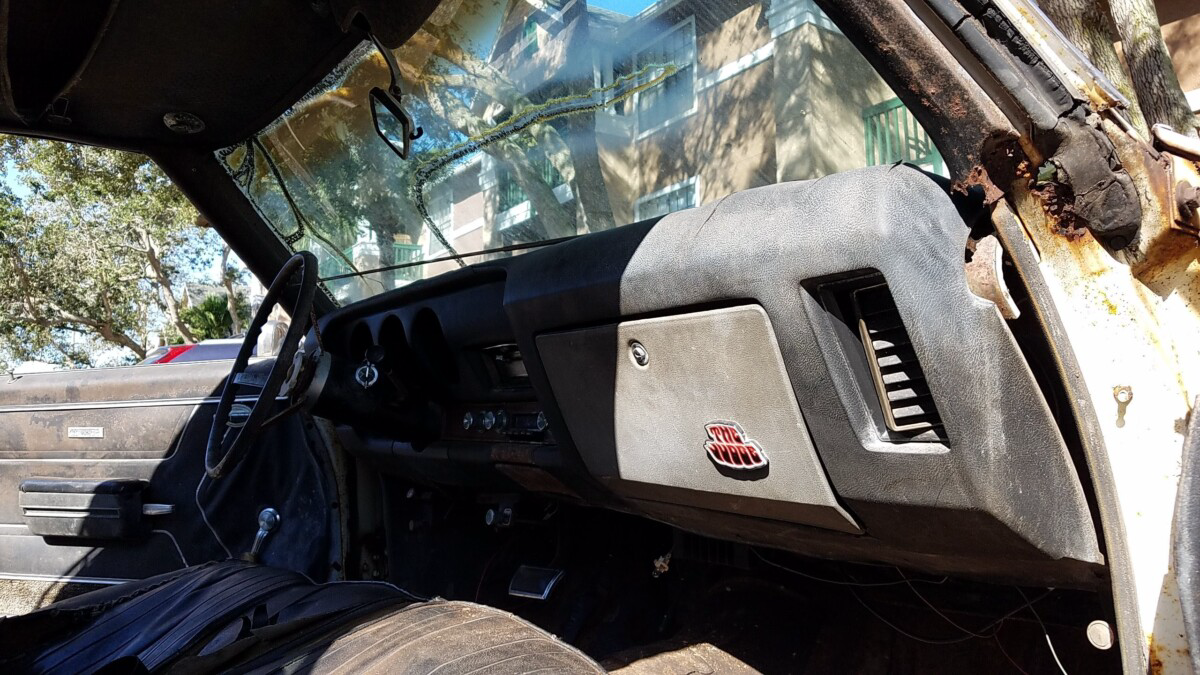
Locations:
column 85, row 509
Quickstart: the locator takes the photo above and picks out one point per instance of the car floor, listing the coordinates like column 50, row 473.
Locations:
column 717, row 607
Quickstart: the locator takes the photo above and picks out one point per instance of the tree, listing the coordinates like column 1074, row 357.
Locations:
column 212, row 320
column 454, row 95
column 229, row 276
column 93, row 250
column 1146, row 76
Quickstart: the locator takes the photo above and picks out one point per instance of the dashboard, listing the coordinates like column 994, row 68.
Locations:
column 801, row 366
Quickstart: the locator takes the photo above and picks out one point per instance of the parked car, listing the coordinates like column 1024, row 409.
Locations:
column 205, row 350
column 718, row 336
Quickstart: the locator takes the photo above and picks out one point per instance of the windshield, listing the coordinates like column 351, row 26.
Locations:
column 544, row 119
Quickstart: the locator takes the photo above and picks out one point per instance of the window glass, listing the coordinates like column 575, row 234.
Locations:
column 543, row 120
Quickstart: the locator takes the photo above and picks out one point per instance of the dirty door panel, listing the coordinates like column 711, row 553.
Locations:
column 101, row 473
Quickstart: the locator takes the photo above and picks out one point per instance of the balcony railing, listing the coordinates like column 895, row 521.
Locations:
column 892, row 135
column 404, row 253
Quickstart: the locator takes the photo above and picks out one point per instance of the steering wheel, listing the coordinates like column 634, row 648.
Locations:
column 229, row 440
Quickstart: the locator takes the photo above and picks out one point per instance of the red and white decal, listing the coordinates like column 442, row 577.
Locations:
column 728, row 446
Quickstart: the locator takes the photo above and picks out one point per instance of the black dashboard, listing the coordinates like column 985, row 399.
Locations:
column 800, row 365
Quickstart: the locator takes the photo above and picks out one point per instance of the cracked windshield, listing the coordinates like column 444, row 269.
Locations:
column 545, row 120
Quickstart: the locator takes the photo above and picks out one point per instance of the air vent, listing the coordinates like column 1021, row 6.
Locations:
column 904, row 396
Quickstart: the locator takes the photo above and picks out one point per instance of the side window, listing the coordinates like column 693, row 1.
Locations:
column 103, row 262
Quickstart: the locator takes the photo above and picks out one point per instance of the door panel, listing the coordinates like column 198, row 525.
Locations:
column 151, row 423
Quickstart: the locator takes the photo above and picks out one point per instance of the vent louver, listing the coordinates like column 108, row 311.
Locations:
column 899, row 381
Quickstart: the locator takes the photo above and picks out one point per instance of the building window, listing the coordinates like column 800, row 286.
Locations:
column 670, row 199
column 676, row 95
column 509, row 191
column 892, row 134
column 529, row 38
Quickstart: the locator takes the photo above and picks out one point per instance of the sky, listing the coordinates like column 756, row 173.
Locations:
column 627, row 7
column 8, row 174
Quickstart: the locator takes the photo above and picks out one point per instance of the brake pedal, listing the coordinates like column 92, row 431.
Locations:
column 535, row 583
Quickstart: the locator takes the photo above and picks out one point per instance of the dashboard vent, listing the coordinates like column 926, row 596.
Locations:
column 904, row 396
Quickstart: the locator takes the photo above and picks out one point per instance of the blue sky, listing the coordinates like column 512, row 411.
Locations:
column 8, row 174
column 628, row 7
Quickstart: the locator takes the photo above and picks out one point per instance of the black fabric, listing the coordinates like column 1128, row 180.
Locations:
column 83, row 74
column 239, row 616
column 154, row 621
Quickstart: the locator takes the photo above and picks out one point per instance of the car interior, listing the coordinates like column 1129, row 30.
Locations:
column 779, row 431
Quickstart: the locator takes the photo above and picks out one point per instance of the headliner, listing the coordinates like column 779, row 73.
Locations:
column 107, row 73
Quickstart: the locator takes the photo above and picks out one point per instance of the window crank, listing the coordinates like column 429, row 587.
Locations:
column 268, row 521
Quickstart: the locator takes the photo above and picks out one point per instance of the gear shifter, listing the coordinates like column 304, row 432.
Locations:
column 268, row 520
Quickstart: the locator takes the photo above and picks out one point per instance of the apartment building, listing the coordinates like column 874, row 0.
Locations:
column 758, row 93
column 722, row 96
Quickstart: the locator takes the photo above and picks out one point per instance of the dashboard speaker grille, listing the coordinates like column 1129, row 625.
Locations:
column 899, row 381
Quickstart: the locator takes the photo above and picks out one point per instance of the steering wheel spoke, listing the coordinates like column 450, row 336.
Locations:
column 232, row 433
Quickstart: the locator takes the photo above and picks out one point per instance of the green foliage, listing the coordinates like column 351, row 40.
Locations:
column 210, row 319
column 90, row 251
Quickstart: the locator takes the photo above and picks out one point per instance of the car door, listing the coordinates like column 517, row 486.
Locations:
column 102, row 480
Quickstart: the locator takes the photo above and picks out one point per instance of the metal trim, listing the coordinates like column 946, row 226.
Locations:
column 69, row 580
column 106, row 405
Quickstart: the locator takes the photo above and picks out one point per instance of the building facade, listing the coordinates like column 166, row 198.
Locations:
column 758, row 93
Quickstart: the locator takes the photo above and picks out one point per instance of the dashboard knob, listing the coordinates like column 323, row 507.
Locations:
column 541, row 421
column 489, row 420
column 501, row 420
column 468, row 421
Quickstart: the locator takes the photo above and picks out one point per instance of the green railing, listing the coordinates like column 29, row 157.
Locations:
column 404, row 253
column 510, row 192
column 407, row 253
column 892, row 135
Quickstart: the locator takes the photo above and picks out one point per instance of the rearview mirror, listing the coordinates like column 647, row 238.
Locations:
column 392, row 123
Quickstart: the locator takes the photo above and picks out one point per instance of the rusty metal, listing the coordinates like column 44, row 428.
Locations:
column 985, row 276
column 1187, row 207
column 1176, row 143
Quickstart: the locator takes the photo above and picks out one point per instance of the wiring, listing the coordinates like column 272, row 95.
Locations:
column 1045, row 633
column 967, row 634
column 176, row 542
column 408, row 594
column 1000, row 646
column 204, row 517
column 918, row 638
column 944, row 617
column 860, row 584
